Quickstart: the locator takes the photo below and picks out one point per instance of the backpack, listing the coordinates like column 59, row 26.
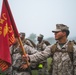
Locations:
column 34, row 45
column 69, row 50
column 46, row 42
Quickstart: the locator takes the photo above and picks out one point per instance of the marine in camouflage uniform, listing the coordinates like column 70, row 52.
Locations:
column 17, row 61
column 62, row 64
column 42, row 67
column 25, row 40
column 9, row 71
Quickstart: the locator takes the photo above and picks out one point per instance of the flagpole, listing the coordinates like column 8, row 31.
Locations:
column 15, row 29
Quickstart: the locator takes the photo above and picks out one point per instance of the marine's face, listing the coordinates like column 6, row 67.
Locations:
column 59, row 35
column 22, row 37
column 39, row 38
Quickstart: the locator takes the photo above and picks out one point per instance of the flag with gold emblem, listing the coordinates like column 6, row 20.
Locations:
column 8, row 31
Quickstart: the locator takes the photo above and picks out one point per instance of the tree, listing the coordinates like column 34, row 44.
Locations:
column 32, row 37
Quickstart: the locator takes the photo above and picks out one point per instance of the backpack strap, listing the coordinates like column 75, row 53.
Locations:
column 70, row 46
column 53, row 48
column 70, row 50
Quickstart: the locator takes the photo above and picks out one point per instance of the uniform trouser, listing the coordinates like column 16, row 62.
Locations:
column 44, row 70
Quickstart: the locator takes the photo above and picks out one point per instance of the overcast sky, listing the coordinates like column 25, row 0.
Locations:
column 41, row 16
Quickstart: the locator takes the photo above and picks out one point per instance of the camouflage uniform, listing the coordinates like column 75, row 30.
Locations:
column 40, row 47
column 17, row 60
column 62, row 64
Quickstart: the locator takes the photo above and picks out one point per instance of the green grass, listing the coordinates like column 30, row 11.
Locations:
column 34, row 72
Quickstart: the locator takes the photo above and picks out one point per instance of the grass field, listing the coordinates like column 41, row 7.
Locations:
column 34, row 72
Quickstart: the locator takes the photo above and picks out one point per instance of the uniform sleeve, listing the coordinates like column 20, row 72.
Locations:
column 74, row 60
column 30, row 50
column 40, row 56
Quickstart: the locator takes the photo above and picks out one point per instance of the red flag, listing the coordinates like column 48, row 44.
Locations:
column 8, row 31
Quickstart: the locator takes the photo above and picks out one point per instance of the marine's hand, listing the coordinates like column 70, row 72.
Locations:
column 24, row 66
column 26, row 57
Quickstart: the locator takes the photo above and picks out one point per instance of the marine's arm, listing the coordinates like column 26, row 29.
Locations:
column 30, row 50
column 74, row 60
column 39, row 56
